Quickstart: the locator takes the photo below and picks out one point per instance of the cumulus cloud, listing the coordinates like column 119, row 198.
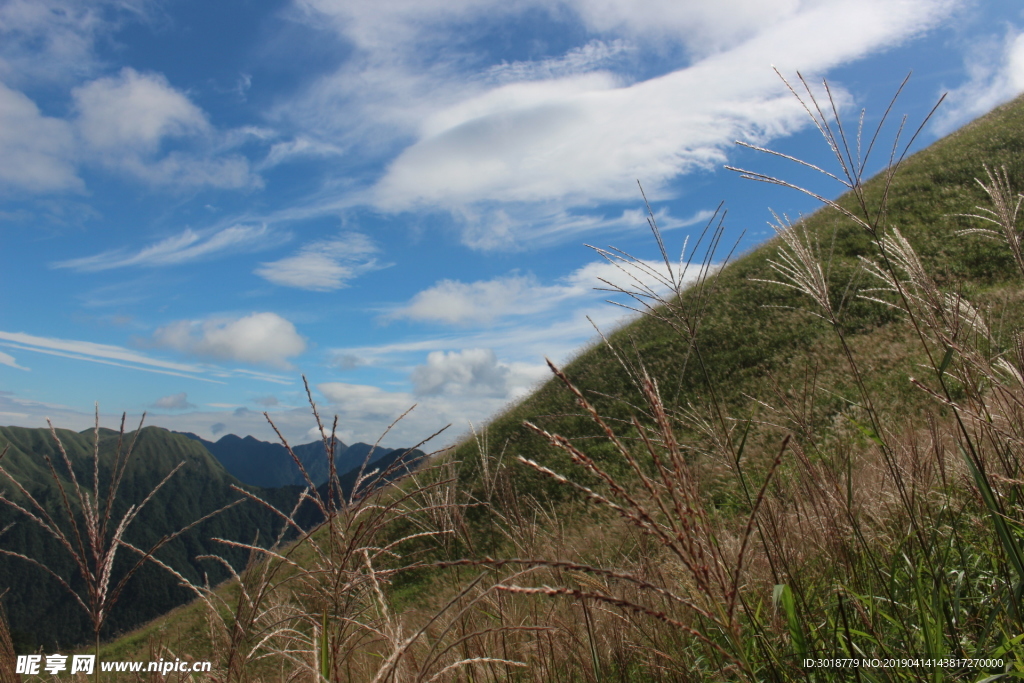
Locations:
column 134, row 111
column 181, row 248
column 260, row 338
column 125, row 121
column 173, row 402
column 217, row 428
column 324, row 265
column 37, row 150
column 996, row 75
column 470, row 371
column 365, row 412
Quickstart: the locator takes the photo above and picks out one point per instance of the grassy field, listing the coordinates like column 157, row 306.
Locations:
column 811, row 453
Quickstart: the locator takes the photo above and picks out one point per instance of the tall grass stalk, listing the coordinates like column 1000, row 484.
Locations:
column 86, row 527
column 321, row 602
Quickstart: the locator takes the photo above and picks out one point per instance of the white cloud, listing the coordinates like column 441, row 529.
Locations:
column 281, row 152
column 36, row 150
column 182, row 248
column 173, row 402
column 124, row 122
column 324, row 265
column 133, row 111
column 8, row 360
column 586, row 137
column 505, row 226
column 359, row 400
column 260, row 338
column 491, row 145
column 470, row 371
column 365, row 412
column 594, row 55
column 458, row 303
column 47, row 41
column 384, row 24
column 483, row 302
column 996, row 75
column 100, row 353
column 231, row 171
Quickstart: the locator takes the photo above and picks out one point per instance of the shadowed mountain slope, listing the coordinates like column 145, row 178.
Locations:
column 202, row 485
column 268, row 465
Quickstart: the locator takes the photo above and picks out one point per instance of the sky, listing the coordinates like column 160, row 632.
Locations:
column 201, row 202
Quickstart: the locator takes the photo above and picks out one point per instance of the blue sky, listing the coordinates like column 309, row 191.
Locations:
column 202, row 201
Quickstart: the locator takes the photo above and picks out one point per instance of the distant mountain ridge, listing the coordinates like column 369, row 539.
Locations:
column 268, row 465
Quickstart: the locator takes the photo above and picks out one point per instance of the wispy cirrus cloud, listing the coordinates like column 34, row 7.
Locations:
column 9, row 360
column 55, row 40
column 184, row 247
column 996, row 75
column 495, row 145
column 483, row 302
column 107, row 354
column 324, row 265
column 587, row 137
column 119, row 356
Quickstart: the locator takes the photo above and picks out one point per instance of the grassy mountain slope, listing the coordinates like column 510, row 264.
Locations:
column 891, row 521
column 755, row 333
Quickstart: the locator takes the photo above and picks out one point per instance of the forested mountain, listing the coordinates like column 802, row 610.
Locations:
column 202, row 485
